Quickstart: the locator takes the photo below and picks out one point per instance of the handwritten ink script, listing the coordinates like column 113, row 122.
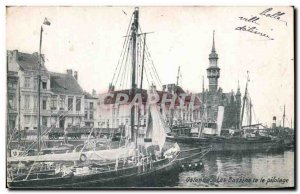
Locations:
column 275, row 15
column 239, row 180
column 252, row 22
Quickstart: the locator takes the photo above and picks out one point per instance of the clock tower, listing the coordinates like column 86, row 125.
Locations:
column 213, row 71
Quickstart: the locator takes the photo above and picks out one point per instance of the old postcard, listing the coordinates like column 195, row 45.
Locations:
column 162, row 97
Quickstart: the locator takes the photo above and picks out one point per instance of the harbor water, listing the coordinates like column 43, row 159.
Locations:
column 256, row 170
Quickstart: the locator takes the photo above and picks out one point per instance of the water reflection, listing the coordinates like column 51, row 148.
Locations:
column 242, row 170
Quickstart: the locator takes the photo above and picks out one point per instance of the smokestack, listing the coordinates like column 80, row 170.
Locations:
column 274, row 122
column 70, row 72
column 76, row 75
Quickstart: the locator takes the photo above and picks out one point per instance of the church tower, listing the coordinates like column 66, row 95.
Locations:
column 213, row 71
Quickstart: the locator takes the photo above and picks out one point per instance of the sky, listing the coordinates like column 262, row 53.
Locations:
column 89, row 40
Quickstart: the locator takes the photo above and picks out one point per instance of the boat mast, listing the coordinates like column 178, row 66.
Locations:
column 250, row 112
column 142, row 75
column 244, row 101
column 203, row 94
column 134, row 34
column 203, row 110
column 283, row 116
column 39, row 93
column 177, row 82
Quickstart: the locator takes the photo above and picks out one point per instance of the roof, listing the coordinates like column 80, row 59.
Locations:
column 64, row 84
column 89, row 96
column 29, row 61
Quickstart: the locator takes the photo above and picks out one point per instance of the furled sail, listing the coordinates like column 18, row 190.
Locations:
column 156, row 128
column 91, row 155
column 104, row 155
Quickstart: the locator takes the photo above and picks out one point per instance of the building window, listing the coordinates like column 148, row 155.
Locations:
column 53, row 102
column 91, row 115
column 27, row 82
column 126, row 121
column 44, row 104
column 26, row 102
column 35, row 83
column 11, row 102
column 118, row 110
column 34, row 119
column 78, row 104
column 44, row 121
column 44, row 85
column 12, row 85
column 70, row 103
column 27, row 119
column 145, row 121
column 12, row 121
column 86, row 114
column 35, row 101
column 91, row 105
column 62, row 102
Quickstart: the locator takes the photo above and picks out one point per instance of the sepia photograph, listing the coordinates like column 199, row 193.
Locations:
column 150, row 97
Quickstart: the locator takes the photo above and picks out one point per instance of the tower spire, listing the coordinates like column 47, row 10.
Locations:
column 213, row 71
column 213, row 46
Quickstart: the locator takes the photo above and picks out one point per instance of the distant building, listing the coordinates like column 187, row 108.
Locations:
column 90, row 111
column 62, row 102
column 113, row 115
column 27, row 68
column 215, row 97
column 189, row 113
column 67, row 100
column 12, row 100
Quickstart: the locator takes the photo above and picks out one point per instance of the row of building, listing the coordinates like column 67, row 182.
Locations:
column 65, row 104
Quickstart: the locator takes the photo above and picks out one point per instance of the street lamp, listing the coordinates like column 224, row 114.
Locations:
column 46, row 22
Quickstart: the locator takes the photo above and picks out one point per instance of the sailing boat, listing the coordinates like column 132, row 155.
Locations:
column 129, row 165
column 240, row 142
column 146, row 165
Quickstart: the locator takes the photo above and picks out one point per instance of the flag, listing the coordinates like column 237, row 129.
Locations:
column 46, row 22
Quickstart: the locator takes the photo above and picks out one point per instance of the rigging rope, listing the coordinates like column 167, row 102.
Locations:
column 122, row 48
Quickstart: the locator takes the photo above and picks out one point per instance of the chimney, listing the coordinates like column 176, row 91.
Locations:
column 14, row 55
column 94, row 93
column 70, row 72
column 274, row 122
column 76, row 75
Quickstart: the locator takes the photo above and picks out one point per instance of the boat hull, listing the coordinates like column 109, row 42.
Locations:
column 229, row 145
column 129, row 177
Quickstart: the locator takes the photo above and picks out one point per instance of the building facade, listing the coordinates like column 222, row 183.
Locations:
column 215, row 97
column 28, row 68
column 114, row 115
column 67, row 100
column 12, row 101
column 62, row 100
column 90, row 110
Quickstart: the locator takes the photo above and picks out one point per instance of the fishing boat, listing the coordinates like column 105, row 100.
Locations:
column 141, row 159
column 246, row 138
column 149, row 162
